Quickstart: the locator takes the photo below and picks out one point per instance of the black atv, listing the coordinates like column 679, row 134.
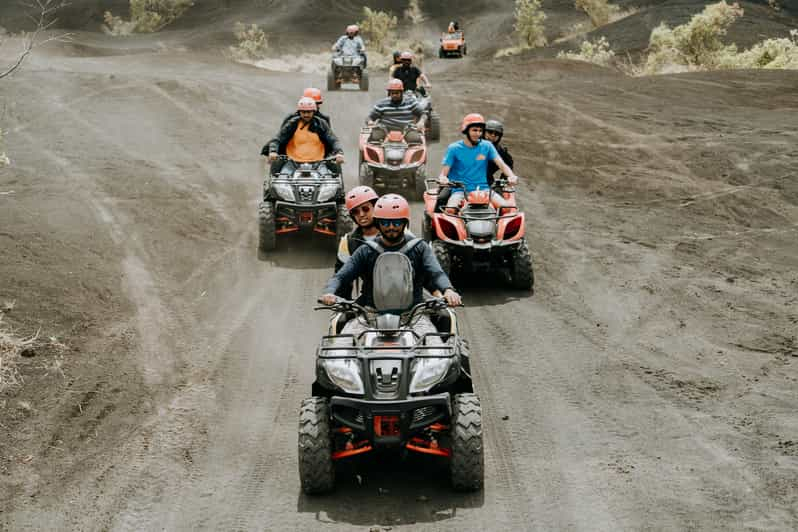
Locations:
column 303, row 196
column 433, row 121
column 391, row 388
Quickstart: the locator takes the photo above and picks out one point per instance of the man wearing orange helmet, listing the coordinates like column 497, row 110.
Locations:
column 392, row 213
column 311, row 92
column 395, row 113
column 351, row 43
column 467, row 161
column 303, row 138
column 410, row 75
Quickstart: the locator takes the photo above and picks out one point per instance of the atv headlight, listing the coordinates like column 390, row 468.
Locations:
column 344, row 373
column 327, row 191
column 284, row 191
column 427, row 372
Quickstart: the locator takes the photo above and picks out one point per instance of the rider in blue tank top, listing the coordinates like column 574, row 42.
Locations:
column 469, row 164
column 467, row 161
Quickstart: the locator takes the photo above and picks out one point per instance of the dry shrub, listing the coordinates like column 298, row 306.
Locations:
column 600, row 11
column 4, row 160
column 774, row 5
column 146, row 16
column 378, row 28
column 771, row 53
column 252, row 42
column 598, row 52
column 529, row 18
column 413, row 13
column 11, row 346
column 694, row 45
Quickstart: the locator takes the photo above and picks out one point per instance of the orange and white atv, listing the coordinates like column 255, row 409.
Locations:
column 397, row 162
column 481, row 236
column 453, row 45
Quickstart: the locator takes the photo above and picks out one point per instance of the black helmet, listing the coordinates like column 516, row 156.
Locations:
column 396, row 54
column 494, row 125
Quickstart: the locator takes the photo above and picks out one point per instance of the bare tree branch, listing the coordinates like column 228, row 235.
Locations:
column 43, row 18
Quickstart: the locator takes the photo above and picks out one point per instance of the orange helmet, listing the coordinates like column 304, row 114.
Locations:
column 360, row 195
column 395, row 85
column 406, row 56
column 306, row 104
column 352, row 28
column 392, row 207
column 313, row 92
column 473, row 119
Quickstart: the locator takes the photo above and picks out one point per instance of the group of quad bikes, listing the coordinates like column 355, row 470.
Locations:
column 390, row 389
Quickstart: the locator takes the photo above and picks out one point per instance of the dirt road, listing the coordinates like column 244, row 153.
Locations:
column 648, row 383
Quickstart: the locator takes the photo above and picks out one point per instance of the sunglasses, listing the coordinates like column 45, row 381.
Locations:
column 490, row 131
column 392, row 223
column 363, row 209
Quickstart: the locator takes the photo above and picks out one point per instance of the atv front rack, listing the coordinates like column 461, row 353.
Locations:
column 421, row 349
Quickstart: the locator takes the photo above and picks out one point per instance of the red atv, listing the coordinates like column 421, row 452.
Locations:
column 481, row 236
column 398, row 161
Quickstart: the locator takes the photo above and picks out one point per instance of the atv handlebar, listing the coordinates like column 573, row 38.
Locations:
column 342, row 305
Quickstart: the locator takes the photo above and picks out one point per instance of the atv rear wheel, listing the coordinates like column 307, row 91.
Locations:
column 331, row 86
column 316, row 468
column 343, row 224
column 467, row 466
column 442, row 254
column 364, row 81
column 523, row 276
column 267, row 231
column 434, row 126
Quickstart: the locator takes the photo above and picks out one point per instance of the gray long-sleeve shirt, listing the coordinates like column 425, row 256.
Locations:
column 346, row 46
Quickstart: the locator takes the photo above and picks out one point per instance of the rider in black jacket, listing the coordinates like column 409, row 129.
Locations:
column 494, row 131
column 310, row 123
column 393, row 215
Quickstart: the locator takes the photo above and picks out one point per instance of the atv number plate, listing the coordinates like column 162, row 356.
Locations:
column 386, row 425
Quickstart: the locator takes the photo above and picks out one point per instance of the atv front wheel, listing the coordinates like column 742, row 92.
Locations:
column 343, row 224
column 316, row 468
column 421, row 182
column 331, row 86
column 365, row 175
column 434, row 126
column 364, row 81
column 267, row 231
column 523, row 276
column 444, row 258
column 440, row 53
column 467, row 466
column 426, row 228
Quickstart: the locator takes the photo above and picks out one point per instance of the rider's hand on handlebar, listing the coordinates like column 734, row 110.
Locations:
column 339, row 158
column 452, row 298
column 512, row 180
column 443, row 180
column 328, row 299
column 273, row 156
